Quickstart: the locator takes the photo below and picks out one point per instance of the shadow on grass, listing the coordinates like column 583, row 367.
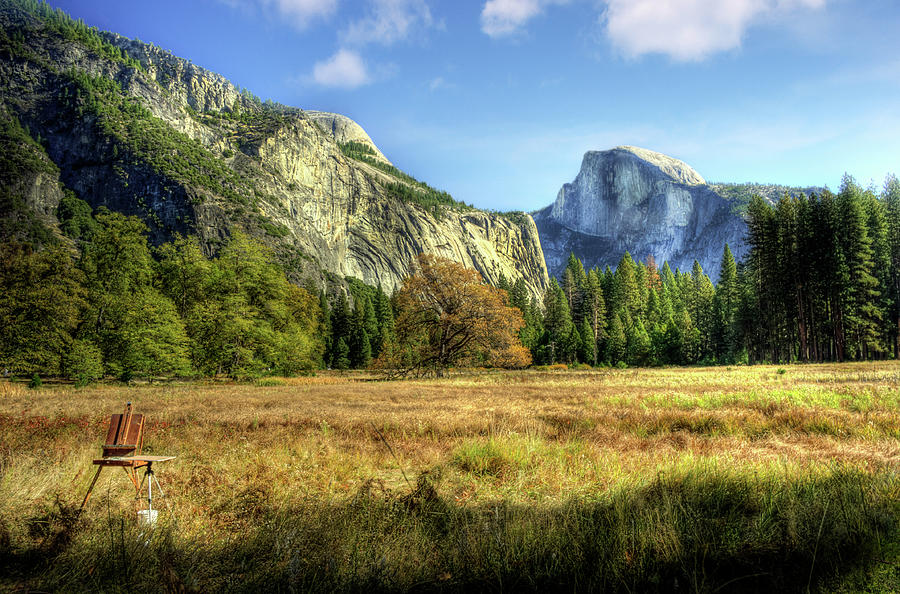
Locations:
column 700, row 531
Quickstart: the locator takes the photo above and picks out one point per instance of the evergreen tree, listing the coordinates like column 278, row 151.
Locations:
column 690, row 336
column 588, row 349
column 879, row 342
column 861, row 315
column 638, row 346
column 595, row 312
column 340, row 325
column 702, row 294
column 370, row 319
column 384, row 314
column 341, row 355
column 891, row 200
column 574, row 279
column 557, row 323
column 518, row 295
column 358, row 341
column 503, row 283
column 628, row 290
column 616, row 343
column 327, row 331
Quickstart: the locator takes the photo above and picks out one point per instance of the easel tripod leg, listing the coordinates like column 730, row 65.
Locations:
column 132, row 474
column 91, row 488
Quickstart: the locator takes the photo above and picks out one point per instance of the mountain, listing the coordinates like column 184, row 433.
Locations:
column 344, row 131
column 117, row 123
column 640, row 201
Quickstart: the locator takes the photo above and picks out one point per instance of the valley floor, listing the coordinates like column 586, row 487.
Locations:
column 705, row 479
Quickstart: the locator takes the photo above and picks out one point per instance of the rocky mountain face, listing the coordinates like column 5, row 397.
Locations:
column 344, row 130
column 646, row 203
column 128, row 126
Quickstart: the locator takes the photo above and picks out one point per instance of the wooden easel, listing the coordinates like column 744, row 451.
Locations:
column 124, row 441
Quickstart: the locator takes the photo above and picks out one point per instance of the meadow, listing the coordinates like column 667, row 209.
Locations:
column 629, row 480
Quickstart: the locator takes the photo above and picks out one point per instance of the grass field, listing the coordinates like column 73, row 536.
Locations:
column 698, row 480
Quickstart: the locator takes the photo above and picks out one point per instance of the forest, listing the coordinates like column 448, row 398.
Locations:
column 117, row 308
column 821, row 283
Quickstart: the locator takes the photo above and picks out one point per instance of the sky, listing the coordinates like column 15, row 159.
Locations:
column 496, row 101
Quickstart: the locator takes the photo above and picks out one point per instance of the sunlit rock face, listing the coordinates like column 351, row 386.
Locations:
column 274, row 172
column 643, row 202
column 344, row 130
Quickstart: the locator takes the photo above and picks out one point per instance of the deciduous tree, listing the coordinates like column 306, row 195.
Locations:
column 446, row 316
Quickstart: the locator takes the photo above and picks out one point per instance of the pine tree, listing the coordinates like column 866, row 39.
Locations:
column 557, row 323
column 702, row 296
column 877, row 226
column 370, row 318
column 616, row 343
column 503, row 283
column 384, row 314
column 628, row 287
column 518, row 295
column 340, row 326
column 341, row 355
column 588, row 350
column 891, row 199
column 358, row 341
column 327, row 332
column 574, row 279
column 638, row 347
column 595, row 311
column 862, row 316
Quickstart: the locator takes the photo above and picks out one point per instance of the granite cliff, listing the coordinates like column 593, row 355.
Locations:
column 344, row 130
column 646, row 203
column 126, row 125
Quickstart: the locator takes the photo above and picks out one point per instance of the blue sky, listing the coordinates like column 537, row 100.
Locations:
column 496, row 101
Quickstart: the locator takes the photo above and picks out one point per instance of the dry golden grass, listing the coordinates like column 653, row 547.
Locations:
column 317, row 433
column 531, row 438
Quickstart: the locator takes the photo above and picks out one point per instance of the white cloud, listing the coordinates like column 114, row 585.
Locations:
column 388, row 22
column 439, row 83
column 689, row 29
column 302, row 12
column 345, row 69
column 505, row 17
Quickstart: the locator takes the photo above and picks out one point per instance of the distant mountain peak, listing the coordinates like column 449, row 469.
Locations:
column 679, row 171
column 641, row 201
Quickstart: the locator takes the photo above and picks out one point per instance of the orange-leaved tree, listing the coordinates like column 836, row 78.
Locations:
column 448, row 316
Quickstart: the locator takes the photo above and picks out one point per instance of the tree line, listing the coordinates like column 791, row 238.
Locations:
column 115, row 307
column 823, row 276
column 821, row 282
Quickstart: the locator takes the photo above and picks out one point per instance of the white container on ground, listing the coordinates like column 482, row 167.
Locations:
column 147, row 517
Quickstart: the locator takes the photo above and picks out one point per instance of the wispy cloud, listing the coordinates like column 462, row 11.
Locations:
column 345, row 69
column 300, row 13
column 439, row 83
column 689, row 30
column 501, row 18
column 388, row 22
